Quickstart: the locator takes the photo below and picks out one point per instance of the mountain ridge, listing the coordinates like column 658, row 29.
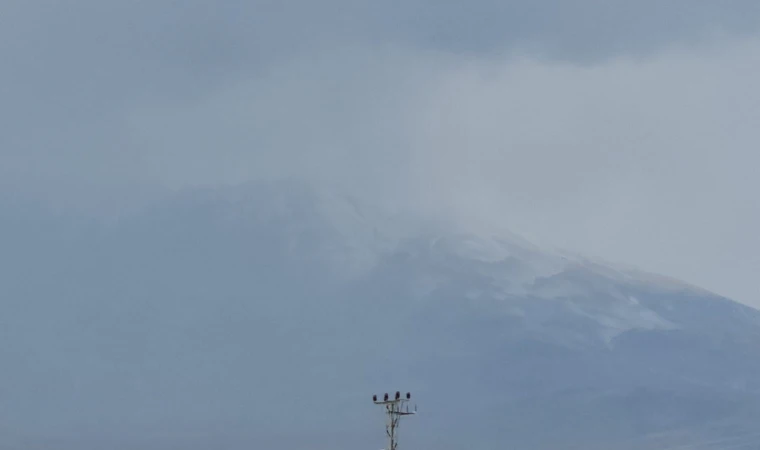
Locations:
column 194, row 313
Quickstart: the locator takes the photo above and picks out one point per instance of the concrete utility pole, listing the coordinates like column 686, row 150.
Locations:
column 395, row 409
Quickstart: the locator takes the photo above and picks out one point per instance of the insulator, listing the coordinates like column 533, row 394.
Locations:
column 385, row 398
column 408, row 396
column 374, row 398
column 398, row 395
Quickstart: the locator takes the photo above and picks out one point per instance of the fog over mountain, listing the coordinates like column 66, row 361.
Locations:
column 227, row 224
column 622, row 130
column 269, row 313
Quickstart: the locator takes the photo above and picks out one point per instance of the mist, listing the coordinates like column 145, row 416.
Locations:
column 638, row 150
column 625, row 132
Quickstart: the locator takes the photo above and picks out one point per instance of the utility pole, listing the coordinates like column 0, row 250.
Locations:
column 395, row 409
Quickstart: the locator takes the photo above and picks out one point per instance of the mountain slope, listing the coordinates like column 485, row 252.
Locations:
column 238, row 315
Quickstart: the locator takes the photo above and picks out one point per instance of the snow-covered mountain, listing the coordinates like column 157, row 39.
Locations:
column 268, row 314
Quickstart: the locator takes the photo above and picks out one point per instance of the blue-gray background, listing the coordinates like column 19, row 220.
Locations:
column 135, row 311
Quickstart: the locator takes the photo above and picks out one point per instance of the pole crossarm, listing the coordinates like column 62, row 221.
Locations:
column 395, row 409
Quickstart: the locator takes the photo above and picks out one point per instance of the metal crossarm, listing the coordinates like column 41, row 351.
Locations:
column 394, row 409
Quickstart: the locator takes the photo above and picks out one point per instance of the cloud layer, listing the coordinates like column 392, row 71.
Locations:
column 620, row 130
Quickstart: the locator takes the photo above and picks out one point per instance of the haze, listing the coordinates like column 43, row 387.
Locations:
column 623, row 130
column 136, row 314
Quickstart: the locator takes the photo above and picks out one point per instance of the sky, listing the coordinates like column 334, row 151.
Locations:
column 624, row 130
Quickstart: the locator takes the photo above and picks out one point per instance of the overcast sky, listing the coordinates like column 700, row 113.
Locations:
column 626, row 130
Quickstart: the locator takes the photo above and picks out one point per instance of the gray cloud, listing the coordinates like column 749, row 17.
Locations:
column 617, row 128
column 625, row 130
column 240, row 34
column 88, row 56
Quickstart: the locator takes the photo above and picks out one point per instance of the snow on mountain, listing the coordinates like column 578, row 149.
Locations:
column 193, row 313
column 351, row 239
